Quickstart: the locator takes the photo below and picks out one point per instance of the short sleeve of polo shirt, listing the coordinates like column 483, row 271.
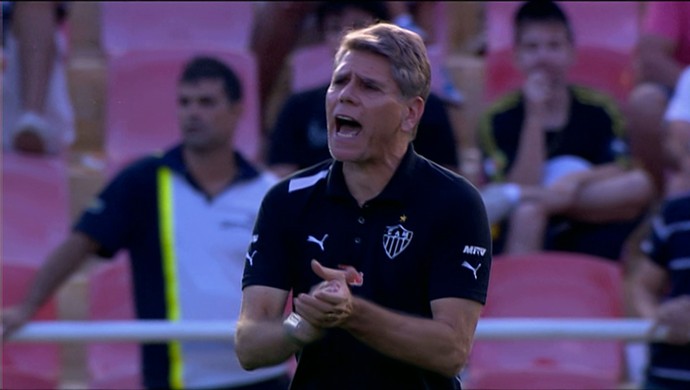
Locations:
column 462, row 253
column 267, row 257
column 112, row 215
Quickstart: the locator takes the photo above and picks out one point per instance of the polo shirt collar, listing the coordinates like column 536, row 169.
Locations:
column 174, row 160
column 396, row 190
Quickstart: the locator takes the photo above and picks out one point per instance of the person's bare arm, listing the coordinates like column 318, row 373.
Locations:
column 441, row 344
column 656, row 62
column 645, row 287
column 603, row 193
column 61, row 263
column 531, row 153
column 260, row 339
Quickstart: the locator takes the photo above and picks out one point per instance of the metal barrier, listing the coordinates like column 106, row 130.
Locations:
column 487, row 329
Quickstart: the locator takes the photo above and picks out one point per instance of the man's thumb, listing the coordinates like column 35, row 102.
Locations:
column 326, row 273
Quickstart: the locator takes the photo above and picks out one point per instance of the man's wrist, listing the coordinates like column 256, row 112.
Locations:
column 300, row 331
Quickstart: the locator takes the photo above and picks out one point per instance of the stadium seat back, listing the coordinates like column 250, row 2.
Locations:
column 552, row 285
column 35, row 207
column 542, row 378
column 141, row 107
column 144, row 25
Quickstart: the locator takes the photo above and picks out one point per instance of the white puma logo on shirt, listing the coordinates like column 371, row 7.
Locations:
column 469, row 266
column 250, row 258
column 318, row 242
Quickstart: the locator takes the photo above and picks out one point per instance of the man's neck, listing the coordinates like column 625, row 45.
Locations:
column 213, row 170
column 365, row 182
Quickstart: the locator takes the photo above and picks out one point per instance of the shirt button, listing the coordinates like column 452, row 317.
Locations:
column 358, row 240
column 360, row 220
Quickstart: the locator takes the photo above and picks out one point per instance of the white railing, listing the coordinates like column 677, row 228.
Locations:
column 487, row 329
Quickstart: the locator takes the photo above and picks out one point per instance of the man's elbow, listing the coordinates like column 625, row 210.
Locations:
column 454, row 362
column 244, row 353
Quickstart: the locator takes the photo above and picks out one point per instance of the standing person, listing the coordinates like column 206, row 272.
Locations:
column 38, row 116
column 185, row 217
column 387, row 254
column 567, row 141
column 659, row 286
column 663, row 50
column 300, row 138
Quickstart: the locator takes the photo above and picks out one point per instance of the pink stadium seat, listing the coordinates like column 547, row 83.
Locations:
column 35, row 207
column 112, row 365
column 605, row 37
column 551, row 285
column 141, row 101
column 27, row 365
column 545, row 378
column 311, row 66
column 143, row 25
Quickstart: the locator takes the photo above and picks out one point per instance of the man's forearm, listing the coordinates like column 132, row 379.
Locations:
column 263, row 344
column 423, row 342
column 60, row 265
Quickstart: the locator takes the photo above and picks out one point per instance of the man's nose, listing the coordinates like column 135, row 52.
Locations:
column 347, row 93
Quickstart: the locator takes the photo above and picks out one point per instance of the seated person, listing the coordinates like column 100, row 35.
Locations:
column 561, row 148
column 299, row 138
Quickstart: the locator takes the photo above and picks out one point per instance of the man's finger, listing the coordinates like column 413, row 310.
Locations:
column 326, row 273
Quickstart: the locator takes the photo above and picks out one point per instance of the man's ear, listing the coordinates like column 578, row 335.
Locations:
column 413, row 113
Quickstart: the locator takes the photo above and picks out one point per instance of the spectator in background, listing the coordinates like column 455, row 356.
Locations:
column 299, row 138
column 560, row 149
column 185, row 218
column 37, row 114
column 663, row 51
column 659, row 286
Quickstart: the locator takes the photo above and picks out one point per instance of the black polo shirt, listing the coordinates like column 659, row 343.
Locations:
column 425, row 237
column 669, row 247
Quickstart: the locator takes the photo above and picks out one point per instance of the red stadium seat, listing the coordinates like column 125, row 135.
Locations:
column 28, row 365
column 546, row 378
column 112, row 365
column 144, row 25
column 605, row 37
column 311, row 66
column 35, row 207
column 551, row 285
column 141, row 101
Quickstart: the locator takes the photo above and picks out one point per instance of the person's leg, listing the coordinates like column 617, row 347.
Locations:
column 275, row 33
column 526, row 228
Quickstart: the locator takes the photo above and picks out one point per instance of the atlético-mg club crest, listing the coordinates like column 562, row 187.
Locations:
column 395, row 240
